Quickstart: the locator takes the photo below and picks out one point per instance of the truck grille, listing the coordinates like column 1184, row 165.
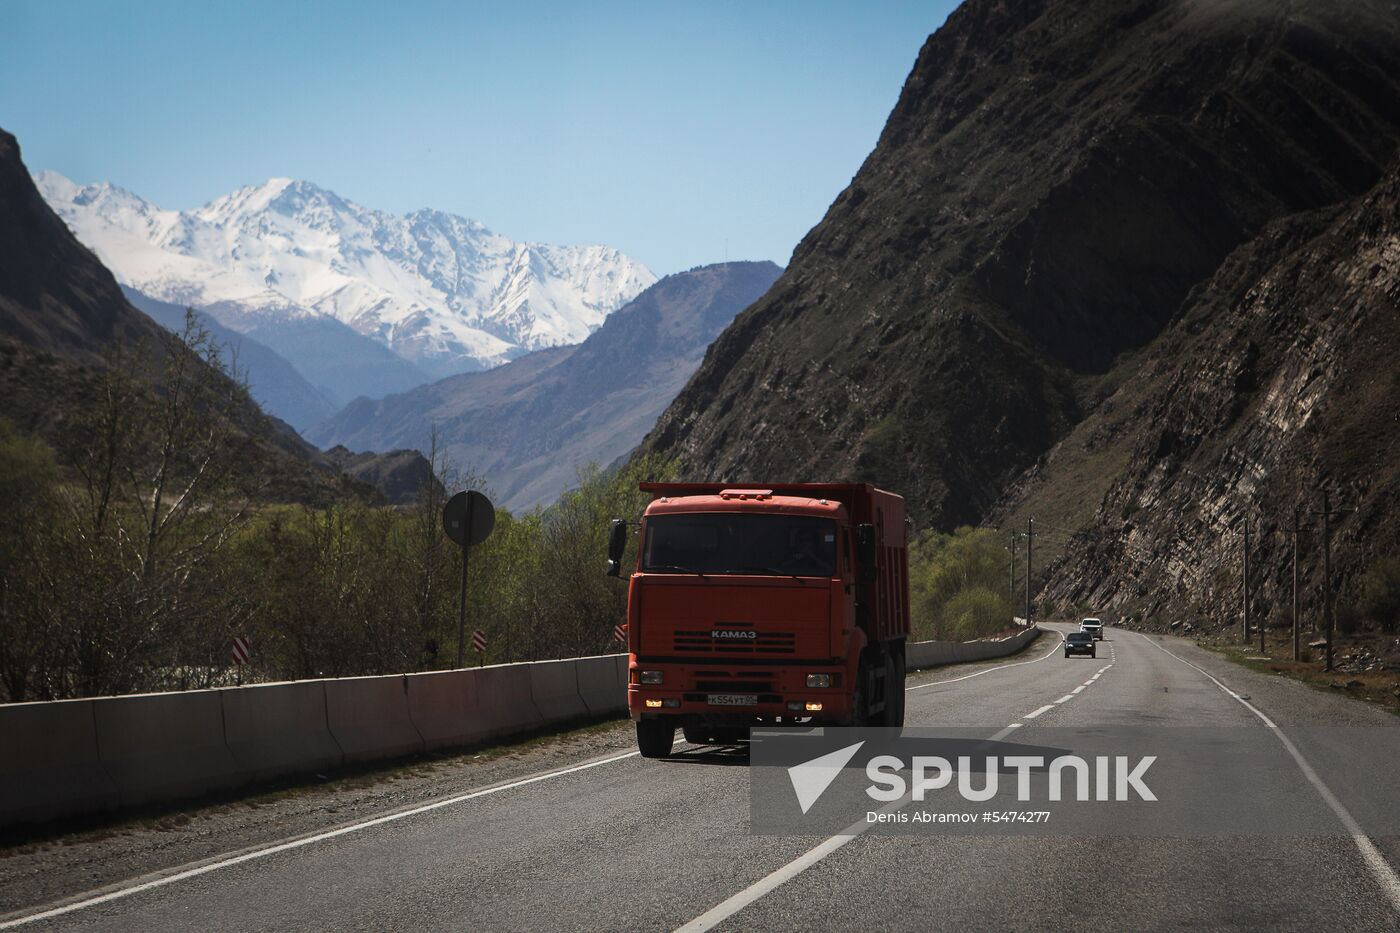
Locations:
column 734, row 686
column 692, row 642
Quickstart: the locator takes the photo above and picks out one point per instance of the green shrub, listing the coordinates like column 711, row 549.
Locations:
column 958, row 585
column 1379, row 597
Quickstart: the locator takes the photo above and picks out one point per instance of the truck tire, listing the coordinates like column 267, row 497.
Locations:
column 892, row 716
column 655, row 737
column 860, row 696
column 894, row 686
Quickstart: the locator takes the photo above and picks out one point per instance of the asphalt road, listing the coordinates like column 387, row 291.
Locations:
column 622, row 843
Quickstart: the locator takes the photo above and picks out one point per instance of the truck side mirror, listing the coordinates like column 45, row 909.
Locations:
column 865, row 553
column 617, row 543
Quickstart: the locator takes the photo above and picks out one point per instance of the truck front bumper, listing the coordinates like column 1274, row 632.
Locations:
column 699, row 695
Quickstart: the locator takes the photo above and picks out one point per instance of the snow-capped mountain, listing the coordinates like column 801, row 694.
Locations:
column 439, row 290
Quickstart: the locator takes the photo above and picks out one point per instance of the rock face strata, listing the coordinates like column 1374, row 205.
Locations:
column 1281, row 378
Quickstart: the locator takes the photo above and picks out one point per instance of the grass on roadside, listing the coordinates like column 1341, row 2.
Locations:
column 1379, row 687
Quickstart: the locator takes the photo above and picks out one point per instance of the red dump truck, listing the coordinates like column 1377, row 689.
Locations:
column 764, row 604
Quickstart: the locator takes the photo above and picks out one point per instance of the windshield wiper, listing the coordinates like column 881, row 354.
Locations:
column 655, row 567
column 771, row 571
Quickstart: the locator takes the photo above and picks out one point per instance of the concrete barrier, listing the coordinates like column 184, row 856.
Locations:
column 368, row 717
column 274, row 730
column 83, row 756
column 48, row 762
column 443, row 707
column 164, row 746
column 504, row 702
column 554, row 688
column 921, row 654
column 598, row 685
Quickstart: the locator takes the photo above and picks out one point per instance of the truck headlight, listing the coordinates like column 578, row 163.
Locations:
column 819, row 680
column 649, row 677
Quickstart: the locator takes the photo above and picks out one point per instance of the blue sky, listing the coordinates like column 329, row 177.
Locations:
column 662, row 129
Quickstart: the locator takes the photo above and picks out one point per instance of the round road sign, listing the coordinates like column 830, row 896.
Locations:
column 468, row 518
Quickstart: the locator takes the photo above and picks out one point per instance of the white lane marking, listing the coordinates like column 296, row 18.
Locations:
column 1079, row 689
column 775, row 879
column 1066, row 698
column 297, row 843
column 999, row 667
column 1044, row 709
column 1381, row 870
column 1014, row 725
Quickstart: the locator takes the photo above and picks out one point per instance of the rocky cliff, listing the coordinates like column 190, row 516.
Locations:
column 1054, row 181
column 1279, row 380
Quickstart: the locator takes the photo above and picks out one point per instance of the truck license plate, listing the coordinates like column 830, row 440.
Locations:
column 733, row 699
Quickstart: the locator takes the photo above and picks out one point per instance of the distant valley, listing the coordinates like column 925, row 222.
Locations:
column 529, row 425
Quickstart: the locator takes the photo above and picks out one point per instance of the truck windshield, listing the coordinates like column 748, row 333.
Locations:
column 738, row 543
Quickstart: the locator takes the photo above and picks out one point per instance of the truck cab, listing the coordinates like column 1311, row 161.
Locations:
column 764, row 604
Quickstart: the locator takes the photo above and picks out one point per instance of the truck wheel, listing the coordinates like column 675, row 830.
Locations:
column 655, row 737
column 894, row 686
column 860, row 696
column 893, row 713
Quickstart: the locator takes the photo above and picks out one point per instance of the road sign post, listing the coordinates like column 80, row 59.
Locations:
column 467, row 519
column 479, row 646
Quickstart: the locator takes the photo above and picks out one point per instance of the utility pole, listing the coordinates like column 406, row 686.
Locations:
column 1328, row 615
column 1013, row 565
column 1030, row 537
column 1327, row 574
column 1297, row 648
column 1245, row 582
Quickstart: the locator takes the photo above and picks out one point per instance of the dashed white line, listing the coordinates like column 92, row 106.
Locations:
column 775, row 879
column 1066, row 698
column 1044, row 709
column 1079, row 689
column 1381, row 870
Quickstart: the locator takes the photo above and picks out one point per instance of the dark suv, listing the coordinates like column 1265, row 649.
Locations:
column 1080, row 643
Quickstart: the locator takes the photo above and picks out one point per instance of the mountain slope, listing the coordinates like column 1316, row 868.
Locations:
column 528, row 425
column 54, row 297
column 273, row 382
column 438, row 290
column 1054, row 180
column 1280, row 379
column 62, row 314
